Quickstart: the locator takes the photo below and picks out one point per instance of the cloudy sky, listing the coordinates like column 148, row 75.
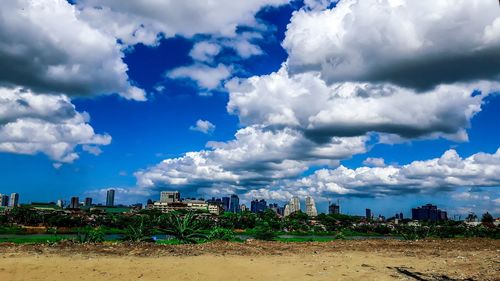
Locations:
column 381, row 104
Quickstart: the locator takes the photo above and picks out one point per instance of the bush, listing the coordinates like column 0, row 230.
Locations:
column 413, row 232
column 89, row 235
column 183, row 227
column 264, row 232
column 221, row 234
column 139, row 230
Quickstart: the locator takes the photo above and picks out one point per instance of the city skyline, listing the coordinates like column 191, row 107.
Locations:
column 273, row 100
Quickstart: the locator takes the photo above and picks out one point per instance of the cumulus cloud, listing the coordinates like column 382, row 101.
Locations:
column 205, row 76
column 446, row 173
column 46, row 47
column 396, row 69
column 374, row 162
column 144, row 21
column 254, row 158
column 35, row 123
column 203, row 126
column 205, row 51
column 350, row 109
column 415, row 44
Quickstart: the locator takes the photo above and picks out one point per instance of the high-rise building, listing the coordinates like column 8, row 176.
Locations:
column 225, row 203
column 334, row 209
column 88, row 201
column 428, row 212
column 286, row 211
column 75, row 203
column 294, row 205
column 14, row 200
column 243, row 208
column 234, row 204
column 60, row 203
column 258, row 206
column 368, row 214
column 4, row 200
column 170, row 196
column 401, row 215
column 311, row 207
column 110, row 198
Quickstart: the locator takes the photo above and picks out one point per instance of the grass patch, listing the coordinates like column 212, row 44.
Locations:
column 305, row 239
column 33, row 239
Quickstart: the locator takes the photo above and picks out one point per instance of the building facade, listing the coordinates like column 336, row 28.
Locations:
column 368, row 214
column 88, row 201
column 234, row 204
column 311, row 207
column 4, row 200
column 110, row 198
column 170, row 196
column 428, row 212
column 75, row 203
column 334, row 209
column 258, row 206
column 14, row 200
column 294, row 204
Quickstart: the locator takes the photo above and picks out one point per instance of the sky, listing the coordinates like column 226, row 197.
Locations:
column 387, row 104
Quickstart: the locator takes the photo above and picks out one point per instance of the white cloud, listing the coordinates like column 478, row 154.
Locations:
column 144, row 21
column 416, row 44
column 349, row 109
column 374, row 162
column 446, row 173
column 32, row 123
column 403, row 69
column 255, row 158
column 205, row 51
column 203, row 126
column 46, row 47
column 205, row 76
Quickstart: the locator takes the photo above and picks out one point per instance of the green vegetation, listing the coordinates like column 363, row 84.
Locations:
column 32, row 239
column 184, row 228
column 306, row 239
column 89, row 235
column 92, row 226
column 219, row 233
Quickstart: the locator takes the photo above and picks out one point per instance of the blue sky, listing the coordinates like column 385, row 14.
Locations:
column 299, row 98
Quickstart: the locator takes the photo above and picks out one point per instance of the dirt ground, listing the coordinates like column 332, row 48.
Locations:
column 456, row 259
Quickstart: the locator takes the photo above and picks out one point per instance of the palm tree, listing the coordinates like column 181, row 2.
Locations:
column 184, row 228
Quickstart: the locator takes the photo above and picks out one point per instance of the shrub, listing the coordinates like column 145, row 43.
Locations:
column 184, row 228
column 139, row 230
column 221, row 234
column 413, row 232
column 264, row 232
column 89, row 235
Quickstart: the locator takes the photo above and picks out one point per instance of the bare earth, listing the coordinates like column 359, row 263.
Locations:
column 457, row 259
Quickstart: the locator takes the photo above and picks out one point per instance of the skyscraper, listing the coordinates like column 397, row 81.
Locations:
column 75, row 203
column 234, row 204
column 334, row 209
column 88, row 201
column 170, row 196
column 225, row 203
column 286, row 211
column 14, row 200
column 258, row 206
column 294, row 204
column 368, row 213
column 110, row 198
column 4, row 200
column 311, row 207
column 428, row 212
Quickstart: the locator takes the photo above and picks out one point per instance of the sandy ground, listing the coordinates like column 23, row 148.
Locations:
column 346, row 260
